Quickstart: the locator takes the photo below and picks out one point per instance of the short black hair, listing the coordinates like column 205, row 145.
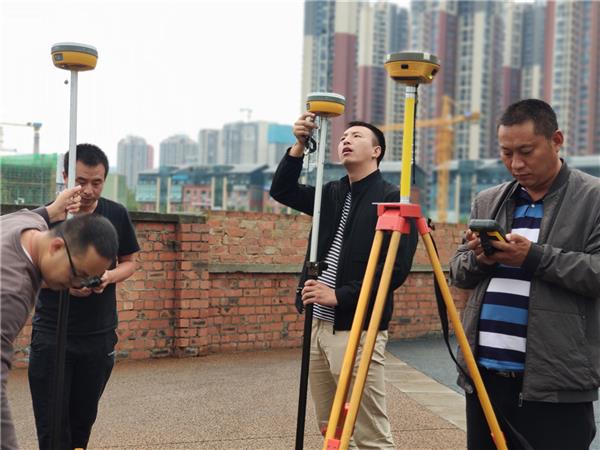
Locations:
column 89, row 154
column 376, row 131
column 84, row 230
column 538, row 111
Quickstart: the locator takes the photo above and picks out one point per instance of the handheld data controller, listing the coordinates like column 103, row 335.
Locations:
column 487, row 230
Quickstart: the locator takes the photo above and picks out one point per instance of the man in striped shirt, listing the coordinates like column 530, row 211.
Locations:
column 533, row 319
column 346, row 232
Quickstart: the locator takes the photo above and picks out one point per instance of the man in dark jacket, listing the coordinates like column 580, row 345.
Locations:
column 533, row 319
column 346, row 232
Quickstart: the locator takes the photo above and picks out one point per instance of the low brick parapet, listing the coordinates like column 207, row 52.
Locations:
column 225, row 281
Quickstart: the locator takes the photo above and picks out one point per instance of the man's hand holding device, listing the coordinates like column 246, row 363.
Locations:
column 493, row 246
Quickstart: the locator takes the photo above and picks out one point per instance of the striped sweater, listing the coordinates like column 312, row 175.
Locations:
column 504, row 314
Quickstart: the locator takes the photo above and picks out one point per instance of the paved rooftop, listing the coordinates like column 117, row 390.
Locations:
column 241, row 401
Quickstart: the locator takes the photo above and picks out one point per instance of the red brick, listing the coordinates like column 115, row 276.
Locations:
column 170, row 305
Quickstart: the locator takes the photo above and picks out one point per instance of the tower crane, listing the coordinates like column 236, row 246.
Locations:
column 36, row 133
column 444, row 143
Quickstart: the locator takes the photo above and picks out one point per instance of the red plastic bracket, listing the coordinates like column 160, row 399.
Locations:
column 392, row 217
column 333, row 444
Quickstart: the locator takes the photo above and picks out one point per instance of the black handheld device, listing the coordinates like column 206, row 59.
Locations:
column 487, row 230
column 92, row 282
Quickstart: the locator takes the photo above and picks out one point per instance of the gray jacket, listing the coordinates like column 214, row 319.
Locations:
column 562, row 357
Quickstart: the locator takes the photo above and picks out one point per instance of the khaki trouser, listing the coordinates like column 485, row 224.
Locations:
column 372, row 430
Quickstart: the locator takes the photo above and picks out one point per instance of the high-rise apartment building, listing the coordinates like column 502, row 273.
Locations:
column 244, row 142
column 383, row 29
column 480, row 35
column 533, row 49
column 512, row 54
column 133, row 156
column 492, row 53
column 179, row 150
column 317, row 58
column 434, row 30
column 317, row 65
column 345, row 45
column 372, row 48
column 565, row 72
column 208, row 147
column 254, row 142
column 552, row 52
column 591, row 67
column 573, row 72
column 398, row 39
column 330, row 52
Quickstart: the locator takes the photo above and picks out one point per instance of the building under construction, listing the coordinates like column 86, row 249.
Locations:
column 28, row 179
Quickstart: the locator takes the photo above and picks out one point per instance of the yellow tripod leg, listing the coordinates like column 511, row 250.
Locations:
column 353, row 341
column 484, row 399
column 369, row 344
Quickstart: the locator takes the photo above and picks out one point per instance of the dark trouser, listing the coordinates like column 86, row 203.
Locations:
column 8, row 437
column 88, row 365
column 546, row 426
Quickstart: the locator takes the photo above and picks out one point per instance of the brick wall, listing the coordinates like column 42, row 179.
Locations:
column 225, row 282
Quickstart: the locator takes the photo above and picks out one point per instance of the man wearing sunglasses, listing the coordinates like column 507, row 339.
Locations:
column 32, row 254
column 92, row 322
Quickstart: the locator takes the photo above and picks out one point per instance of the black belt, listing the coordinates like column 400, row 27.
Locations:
column 503, row 373
column 507, row 374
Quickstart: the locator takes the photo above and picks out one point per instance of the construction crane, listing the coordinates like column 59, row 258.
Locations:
column 444, row 142
column 36, row 133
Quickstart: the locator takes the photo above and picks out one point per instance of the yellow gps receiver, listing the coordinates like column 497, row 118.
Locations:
column 73, row 56
column 412, row 68
column 326, row 104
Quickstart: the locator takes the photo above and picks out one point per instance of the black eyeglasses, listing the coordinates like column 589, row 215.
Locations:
column 77, row 280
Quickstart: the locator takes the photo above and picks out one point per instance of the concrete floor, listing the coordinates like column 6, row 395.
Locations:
column 430, row 356
column 245, row 401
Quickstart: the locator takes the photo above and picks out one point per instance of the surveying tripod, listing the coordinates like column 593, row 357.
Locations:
column 411, row 69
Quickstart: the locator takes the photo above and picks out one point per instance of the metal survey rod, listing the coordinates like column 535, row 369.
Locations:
column 324, row 105
column 75, row 58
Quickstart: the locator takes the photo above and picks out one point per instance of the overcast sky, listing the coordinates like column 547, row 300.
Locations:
column 164, row 67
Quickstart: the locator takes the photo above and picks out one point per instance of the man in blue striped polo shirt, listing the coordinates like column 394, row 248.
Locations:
column 503, row 320
column 533, row 318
